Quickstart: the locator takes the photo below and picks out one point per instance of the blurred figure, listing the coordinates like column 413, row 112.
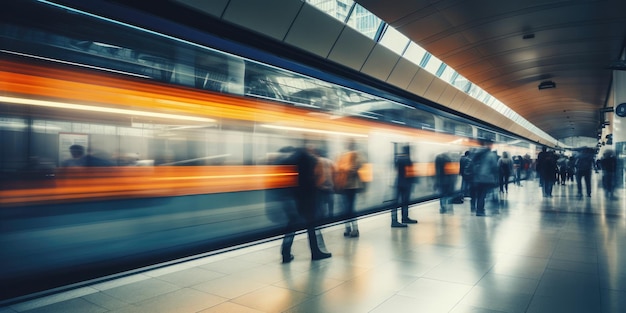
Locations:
column 571, row 168
column 505, row 167
column 527, row 166
column 609, row 168
column 444, row 183
column 561, row 164
column 305, row 200
column 517, row 170
column 584, row 166
column 538, row 169
column 465, row 179
column 547, row 171
column 78, row 157
column 324, row 175
column 484, row 176
column 404, row 184
column 349, row 183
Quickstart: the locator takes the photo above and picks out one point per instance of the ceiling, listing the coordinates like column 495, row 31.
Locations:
column 573, row 42
column 506, row 47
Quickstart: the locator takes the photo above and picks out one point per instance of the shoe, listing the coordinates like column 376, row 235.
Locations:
column 320, row 255
column 354, row 233
column 398, row 224
column 287, row 259
column 481, row 214
column 407, row 220
column 347, row 232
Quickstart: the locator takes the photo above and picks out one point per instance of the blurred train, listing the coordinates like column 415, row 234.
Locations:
column 184, row 135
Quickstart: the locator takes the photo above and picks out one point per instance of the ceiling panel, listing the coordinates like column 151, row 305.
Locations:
column 403, row 73
column 309, row 34
column 380, row 62
column 272, row 18
column 351, row 49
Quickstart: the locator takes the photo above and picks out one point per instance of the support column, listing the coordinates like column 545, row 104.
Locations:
column 619, row 125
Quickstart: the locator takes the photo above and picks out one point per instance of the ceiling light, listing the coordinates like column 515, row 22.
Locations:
column 528, row 36
column 547, row 85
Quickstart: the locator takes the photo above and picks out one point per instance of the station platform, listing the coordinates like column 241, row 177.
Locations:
column 529, row 254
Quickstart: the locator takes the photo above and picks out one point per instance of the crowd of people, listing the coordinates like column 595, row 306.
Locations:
column 482, row 170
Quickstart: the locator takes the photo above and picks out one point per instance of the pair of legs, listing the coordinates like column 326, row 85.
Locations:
column 315, row 240
column 479, row 193
column 404, row 194
column 352, row 227
column 504, row 181
column 308, row 209
column 586, row 175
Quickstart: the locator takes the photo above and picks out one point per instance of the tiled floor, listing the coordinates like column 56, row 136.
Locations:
column 532, row 254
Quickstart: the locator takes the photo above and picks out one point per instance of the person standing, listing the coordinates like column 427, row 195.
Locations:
column 484, row 175
column 349, row 183
column 505, row 167
column 584, row 166
column 404, row 184
column 444, row 183
column 609, row 168
column 463, row 172
column 548, row 172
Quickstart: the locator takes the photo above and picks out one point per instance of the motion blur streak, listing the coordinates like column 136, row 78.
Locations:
column 73, row 184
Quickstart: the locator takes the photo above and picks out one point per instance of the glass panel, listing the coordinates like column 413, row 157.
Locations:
column 394, row 40
column 448, row 74
column 338, row 9
column 364, row 21
column 414, row 53
column 461, row 82
column 433, row 64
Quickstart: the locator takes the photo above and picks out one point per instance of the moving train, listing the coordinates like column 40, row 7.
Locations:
column 184, row 135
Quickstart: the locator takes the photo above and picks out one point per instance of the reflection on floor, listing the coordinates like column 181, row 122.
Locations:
column 530, row 254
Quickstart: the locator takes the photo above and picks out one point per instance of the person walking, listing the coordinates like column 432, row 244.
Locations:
column 609, row 169
column 584, row 166
column 505, row 167
column 348, row 183
column 305, row 200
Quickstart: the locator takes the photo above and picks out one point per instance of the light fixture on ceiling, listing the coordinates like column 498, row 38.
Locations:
column 606, row 110
column 528, row 36
column 547, row 85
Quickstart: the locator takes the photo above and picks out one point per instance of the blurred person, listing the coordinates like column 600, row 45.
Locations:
column 305, row 200
column 444, row 183
column 561, row 164
column 404, row 184
column 538, row 165
column 324, row 175
column 517, row 170
column 571, row 168
column 527, row 166
column 349, row 183
column 484, row 175
column 548, row 172
column 609, row 168
column 584, row 166
column 97, row 158
column 78, row 157
column 465, row 179
column 505, row 167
